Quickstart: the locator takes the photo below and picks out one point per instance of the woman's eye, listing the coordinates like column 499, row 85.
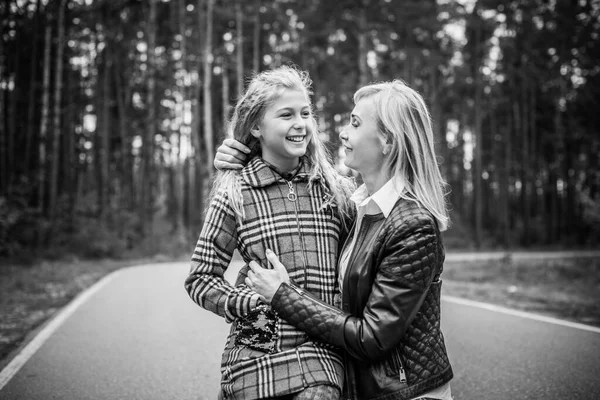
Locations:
column 354, row 124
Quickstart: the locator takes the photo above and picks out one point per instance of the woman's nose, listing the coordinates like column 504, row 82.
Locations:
column 343, row 135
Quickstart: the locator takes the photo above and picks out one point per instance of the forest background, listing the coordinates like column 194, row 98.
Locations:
column 111, row 111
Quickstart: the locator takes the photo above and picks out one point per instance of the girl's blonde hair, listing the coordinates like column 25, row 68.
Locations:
column 405, row 126
column 263, row 90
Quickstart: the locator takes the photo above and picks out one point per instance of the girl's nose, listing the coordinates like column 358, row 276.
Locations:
column 299, row 123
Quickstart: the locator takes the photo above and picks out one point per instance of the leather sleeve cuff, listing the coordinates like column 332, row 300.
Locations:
column 310, row 314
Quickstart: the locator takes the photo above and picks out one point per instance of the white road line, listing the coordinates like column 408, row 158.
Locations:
column 20, row 359
column 522, row 314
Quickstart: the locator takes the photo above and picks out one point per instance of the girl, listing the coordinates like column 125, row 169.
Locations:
column 287, row 198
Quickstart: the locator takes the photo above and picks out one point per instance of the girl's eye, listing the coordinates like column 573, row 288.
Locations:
column 306, row 114
column 286, row 114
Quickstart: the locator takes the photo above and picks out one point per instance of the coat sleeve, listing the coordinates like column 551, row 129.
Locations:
column 409, row 263
column 205, row 283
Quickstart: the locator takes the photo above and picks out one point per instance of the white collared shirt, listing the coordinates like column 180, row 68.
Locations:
column 382, row 201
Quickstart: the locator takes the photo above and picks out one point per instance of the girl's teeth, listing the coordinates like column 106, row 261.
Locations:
column 295, row 138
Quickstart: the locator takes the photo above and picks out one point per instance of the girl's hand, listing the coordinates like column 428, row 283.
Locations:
column 231, row 154
column 266, row 281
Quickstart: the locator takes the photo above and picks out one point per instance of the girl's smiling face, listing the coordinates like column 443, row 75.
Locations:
column 361, row 139
column 285, row 130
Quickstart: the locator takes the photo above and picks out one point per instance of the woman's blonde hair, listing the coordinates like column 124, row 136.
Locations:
column 405, row 126
column 263, row 90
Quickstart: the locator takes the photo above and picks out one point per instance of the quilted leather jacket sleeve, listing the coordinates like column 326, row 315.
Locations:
column 410, row 259
column 308, row 313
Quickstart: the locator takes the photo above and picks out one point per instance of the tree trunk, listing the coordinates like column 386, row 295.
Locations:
column 177, row 166
column 539, row 213
column 194, row 178
column 58, row 83
column 239, row 26
column 524, row 136
column 208, row 61
column 501, row 176
column 105, row 137
column 508, row 165
column 225, row 94
column 31, row 103
column 12, row 100
column 462, row 178
column 147, row 200
column 478, row 150
column 256, row 39
column 555, row 228
column 69, row 164
column 125, row 159
column 439, row 128
column 569, row 179
column 363, row 67
column 44, row 121
column 3, row 133
column 4, row 12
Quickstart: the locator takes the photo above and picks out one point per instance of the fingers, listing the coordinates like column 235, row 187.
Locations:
column 263, row 298
column 228, row 158
column 251, row 277
column 231, row 154
column 221, row 165
column 255, row 269
column 273, row 259
column 254, row 266
column 236, row 145
column 226, row 153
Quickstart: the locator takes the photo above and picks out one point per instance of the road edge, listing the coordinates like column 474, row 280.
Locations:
column 521, row 314
column 27, row 351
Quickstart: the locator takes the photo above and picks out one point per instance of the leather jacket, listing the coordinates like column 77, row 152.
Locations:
column 389, row 324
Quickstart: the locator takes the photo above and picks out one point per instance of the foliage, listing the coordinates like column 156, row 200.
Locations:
column 112, row 155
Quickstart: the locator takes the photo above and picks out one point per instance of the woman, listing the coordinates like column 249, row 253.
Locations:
column 390, row 266
column 289, row 197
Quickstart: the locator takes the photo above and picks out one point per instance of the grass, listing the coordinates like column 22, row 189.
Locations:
column 567, row 289
column 563, row 288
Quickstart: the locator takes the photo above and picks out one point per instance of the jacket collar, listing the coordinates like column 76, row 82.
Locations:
column 258, row 174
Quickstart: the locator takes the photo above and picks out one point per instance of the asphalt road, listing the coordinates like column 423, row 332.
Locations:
column 140, row 337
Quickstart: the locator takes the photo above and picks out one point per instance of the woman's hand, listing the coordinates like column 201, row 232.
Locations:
column 266, row 281
column 231, row 154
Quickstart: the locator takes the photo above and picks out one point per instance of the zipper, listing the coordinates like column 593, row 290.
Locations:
column 292, row 196
column 402, row 373
column 395, row 363
column 292, row 193
column 302, row 293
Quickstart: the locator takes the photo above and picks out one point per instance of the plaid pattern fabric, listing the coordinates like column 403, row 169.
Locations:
column 304, row 234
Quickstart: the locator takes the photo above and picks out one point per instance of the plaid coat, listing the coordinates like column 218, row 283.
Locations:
column 265, row 356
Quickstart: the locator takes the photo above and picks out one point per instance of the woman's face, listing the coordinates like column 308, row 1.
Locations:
column 361, row 140
column 285, row 130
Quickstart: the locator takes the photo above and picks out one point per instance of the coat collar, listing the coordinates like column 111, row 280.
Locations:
column 258, row 174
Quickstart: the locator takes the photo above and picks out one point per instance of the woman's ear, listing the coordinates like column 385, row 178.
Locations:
column 386, row 149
